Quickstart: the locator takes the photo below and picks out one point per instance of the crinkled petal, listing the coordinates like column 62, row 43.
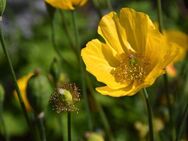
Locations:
column 113, row 33
column 167, row 54
column 137, row 26
column 99, row 61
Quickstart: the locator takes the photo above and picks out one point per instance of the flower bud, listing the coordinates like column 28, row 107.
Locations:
column 2, row 93
column 38, row 92
column 64, row 98
column 2, row 6
column 94, row 136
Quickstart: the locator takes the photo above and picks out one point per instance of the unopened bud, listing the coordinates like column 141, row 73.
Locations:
column 38, row 92
column 2, row 7
column 2, row 93
column 94, row 136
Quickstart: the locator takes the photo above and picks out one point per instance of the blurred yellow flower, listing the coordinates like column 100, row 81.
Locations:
column 22, row 84
column 66, row 4
column 180, row 39
column 133, row 55
column 171, row 70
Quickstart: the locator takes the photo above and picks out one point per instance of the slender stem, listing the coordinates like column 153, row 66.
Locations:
column 169, row 103
column 182, row 124
column 165, row 76
column 61, row 126
column 150, row 118
column 171, row 126
column 101, row 112
column 160, row 17
column 66, row 29
column 99, row 13
column 14, row 77
column 55, row 45
column 83, row 77
column 3, row 123
column 69, row 126
column 109, row 5
column 41, row 126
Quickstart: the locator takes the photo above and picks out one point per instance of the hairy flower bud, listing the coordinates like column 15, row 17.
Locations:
column 38, row 92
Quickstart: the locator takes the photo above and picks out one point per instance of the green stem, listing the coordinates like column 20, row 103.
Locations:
column 182, row 124
column 55, row 46
column 171, row 126
column 150, row 118
column 101, row 112
column 169, row 103
column 3, row 123
column 160, row 17
column 41, row 126
column 66, row 29
column 83, row 77
column 69, row 125
column 14, row 77
column 109, row 5
column 61, row 126
column 99, row 13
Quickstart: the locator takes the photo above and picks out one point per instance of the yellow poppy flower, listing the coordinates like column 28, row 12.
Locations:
column 133, row 55
column 22, row 84
column 66, row 4
column 179, row 39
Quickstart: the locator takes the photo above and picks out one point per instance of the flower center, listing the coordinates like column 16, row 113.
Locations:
column 131, row 68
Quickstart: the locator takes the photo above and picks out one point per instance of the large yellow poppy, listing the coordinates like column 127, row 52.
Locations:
column 134, row 53
column 66, row 4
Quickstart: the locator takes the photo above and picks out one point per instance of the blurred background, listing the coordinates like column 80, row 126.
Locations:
column 27, row 31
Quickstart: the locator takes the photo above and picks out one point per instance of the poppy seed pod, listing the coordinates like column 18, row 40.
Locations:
column 2, row 93
column 38, row 92
column 2, row 6
column 64, row 98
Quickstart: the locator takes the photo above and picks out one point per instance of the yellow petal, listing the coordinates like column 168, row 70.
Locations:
column 100, row 61
column 137, row 25
column 61, row 4
column 22, row 84
column 166, row 55
column 113, row 33
column 127, row 91
column 179, row 39
column 66, row 4
column 78, row 2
